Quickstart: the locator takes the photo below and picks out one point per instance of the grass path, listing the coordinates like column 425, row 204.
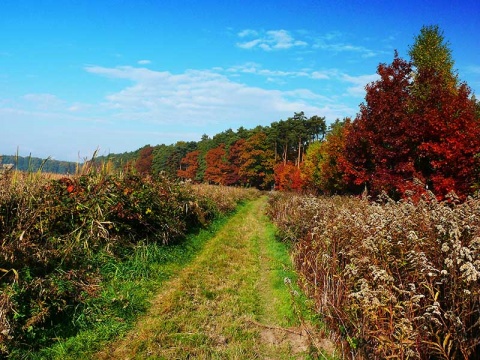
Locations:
column 229, row 303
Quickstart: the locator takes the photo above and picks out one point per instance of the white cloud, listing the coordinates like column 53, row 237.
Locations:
column 342, row 47
column 321, row 75
column 204, row 98
column 269, row 40
column 247, row 32
column 359, row 83
column 43, row 99
column 249, row 44
column 254, row 68
column 335, row 42
column 144, row 62
column 157, row 106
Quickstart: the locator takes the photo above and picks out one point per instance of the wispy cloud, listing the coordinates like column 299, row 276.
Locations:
column 248, row 32
column 334, row 42
column 151, row 108
column 269, row 40
column 359, row 83
column 256, row 69
column 144, row 62
column 204, row 97
column 334, row 77
column 44, row 101
column 342, row 47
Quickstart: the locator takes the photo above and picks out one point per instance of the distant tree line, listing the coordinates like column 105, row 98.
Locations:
column 33, row 164
column 243, row 157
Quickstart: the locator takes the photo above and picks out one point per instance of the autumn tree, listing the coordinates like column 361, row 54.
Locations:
column 448, row 132
column 416, row 123
column 311, row 166
column 322, row 166
column 167, row 158
column 431, row 53
column 189, row 166
column 144, row 162
column 445, row 122
column 257, row 161
column 288, row 177
column 235, row 161
column 216, row 165
column 378, row 151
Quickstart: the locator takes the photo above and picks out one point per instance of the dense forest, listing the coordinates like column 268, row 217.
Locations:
column 418, row 129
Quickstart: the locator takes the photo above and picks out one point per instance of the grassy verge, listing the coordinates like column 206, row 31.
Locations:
column 230, row 302
column 125, row 295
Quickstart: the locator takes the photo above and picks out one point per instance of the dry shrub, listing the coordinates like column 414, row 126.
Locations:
column 54, row 230
column 396, row 280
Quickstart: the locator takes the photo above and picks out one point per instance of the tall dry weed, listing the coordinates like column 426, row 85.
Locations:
column 54, row 233
column 397, row 280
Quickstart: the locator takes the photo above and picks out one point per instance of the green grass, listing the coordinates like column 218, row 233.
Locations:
column 227, row 303
column 293, row 307
column 125, row 295
column 221, row 294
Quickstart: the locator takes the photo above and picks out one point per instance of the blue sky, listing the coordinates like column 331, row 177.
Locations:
column 77, row 75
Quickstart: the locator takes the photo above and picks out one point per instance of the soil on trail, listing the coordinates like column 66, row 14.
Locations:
column 223, row 305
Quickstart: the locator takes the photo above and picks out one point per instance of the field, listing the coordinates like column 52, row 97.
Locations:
column 84, row 256
column 394, row 279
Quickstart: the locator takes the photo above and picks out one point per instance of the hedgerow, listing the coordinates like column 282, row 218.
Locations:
column 54, row 232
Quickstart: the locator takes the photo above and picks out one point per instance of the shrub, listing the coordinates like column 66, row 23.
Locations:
column 53, row 232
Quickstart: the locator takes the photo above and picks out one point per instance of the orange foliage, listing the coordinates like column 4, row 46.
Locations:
column 144, row 162
column 217, row 167
column 190, row 163
column 288, row 177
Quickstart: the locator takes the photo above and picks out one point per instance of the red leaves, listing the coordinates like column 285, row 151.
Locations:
column 402, row 134
column 69, row 184
column 288, row 177
column 189, row 165
column 217, row 167
column 144, row 162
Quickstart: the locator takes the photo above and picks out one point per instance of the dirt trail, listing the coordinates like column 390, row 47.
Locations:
column 221, row 306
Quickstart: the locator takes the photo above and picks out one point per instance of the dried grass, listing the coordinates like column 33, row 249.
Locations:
column 396, row 280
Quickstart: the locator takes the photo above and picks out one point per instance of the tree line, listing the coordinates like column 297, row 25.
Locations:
column 33, row 164
column 241, row 158
column 418, row 129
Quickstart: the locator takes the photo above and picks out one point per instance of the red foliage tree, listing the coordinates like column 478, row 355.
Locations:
column 404, row 132
column 447, row 129
column 189, row 166
column 144, row 162
column 379, row 153
column 235, row 162
column 217, row 167
column 288, row 177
